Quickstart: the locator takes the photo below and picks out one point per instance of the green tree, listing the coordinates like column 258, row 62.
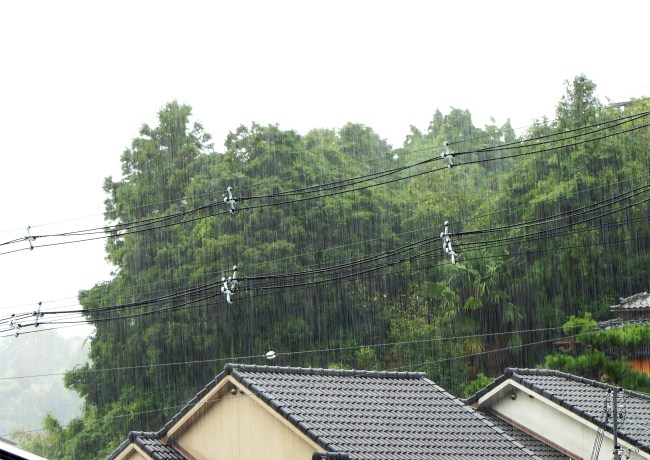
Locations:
column 474, row 386
column 596, row 365
column 333, row 259
column 169, row 171
column 576, row 266
column 481, row 310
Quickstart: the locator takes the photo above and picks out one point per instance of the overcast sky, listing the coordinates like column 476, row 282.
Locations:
column 77, row 79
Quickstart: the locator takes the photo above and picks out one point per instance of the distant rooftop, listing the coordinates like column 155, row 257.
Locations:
column 635, row 302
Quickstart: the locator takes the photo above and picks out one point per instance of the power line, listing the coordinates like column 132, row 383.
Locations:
column 430, row 229
column 498, row 350
column 589, row 208
column 284, row 286
column 562, row 215
column 159, row 222
column 281, row 353
column 604, row 110
column 323, row 282
column 328, row 350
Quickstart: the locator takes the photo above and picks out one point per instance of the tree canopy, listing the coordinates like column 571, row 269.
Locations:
column 336, row 240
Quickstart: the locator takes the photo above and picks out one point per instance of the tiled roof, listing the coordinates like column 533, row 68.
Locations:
column 364, row 415
column 585, row 398
column 157, row 449
column 634, row 302
column 151, row 444
column 377, row 415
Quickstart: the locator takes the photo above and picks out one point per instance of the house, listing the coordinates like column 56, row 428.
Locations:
column 571, row 413
column 10, row 451
column 270, row 412
column 630, row 310
column 635, row 307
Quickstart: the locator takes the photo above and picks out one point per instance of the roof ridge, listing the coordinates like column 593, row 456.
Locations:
column 633, row 297
column 133, row 435
column 190, row 404
column 519, row 373
column 228, row 369
column 594, row 383
column 315, row 432
column 138, row 438
column 311, row 410
column 625, row 303
column 522, row 372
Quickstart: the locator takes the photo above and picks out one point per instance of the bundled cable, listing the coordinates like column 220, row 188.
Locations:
column 231, row 202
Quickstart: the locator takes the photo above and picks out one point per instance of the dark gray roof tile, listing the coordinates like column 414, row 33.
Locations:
column 377, row 415
column 151, row 444
column 369, row 415
column 586, row 398
column 158, row 450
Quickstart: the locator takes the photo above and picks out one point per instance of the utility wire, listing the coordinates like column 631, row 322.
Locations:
column 288, row 289
column 562, row 215
column 340, row 268
column 284, row 353
column 148, row 224
column 487, row 352
column 406, row 151
column 469, row 259
column 401, row 368
column 431, row 229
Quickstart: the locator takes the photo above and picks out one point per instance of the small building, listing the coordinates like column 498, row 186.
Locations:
column 286, row 413
column 635, row 307
column 573, row 414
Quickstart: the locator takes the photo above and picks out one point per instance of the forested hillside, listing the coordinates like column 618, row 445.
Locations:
column 336, row 240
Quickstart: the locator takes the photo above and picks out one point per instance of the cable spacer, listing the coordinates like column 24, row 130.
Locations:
column 233, row 279
column 446, row 243
column 230, row 199
column 14, row 324
column 38, row 314
column 30, row 238
column 447, row 155
column 225, row 289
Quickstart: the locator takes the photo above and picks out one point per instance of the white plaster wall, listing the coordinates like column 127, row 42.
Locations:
column 556, row 424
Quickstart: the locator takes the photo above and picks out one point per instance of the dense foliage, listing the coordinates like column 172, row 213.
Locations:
column 354, row 275
column 604, row 353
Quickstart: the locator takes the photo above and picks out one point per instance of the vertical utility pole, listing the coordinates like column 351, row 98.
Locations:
column 617, row 455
